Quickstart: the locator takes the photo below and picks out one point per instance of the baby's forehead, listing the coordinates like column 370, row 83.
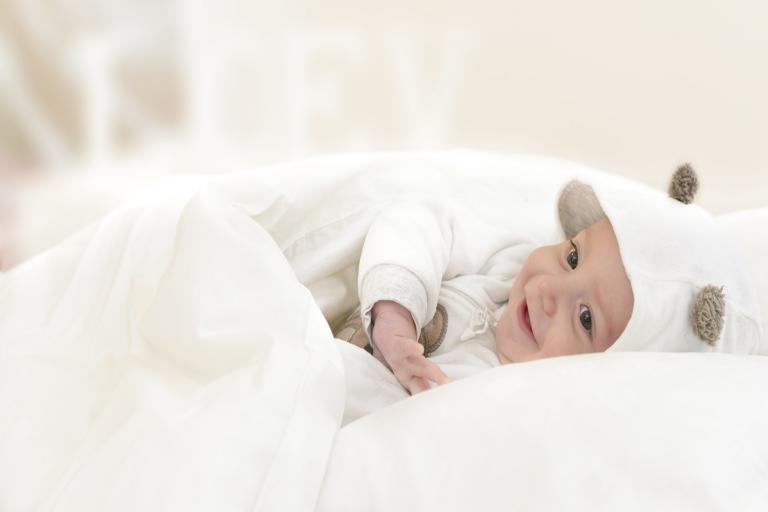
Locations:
column 598, row 239
column 600, row 248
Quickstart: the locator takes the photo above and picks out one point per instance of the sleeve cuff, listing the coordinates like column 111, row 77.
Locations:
column 395, row 283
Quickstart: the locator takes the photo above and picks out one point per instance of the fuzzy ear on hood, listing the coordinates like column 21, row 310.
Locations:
column 707, row 313
column 578, row 208
column 684, row 184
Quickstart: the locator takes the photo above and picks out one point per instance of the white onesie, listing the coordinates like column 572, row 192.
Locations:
column 453, row 272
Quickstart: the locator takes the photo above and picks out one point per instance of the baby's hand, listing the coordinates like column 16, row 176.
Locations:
column 394, row 338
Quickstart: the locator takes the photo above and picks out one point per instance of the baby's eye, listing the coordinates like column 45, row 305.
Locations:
column 573, row 256
column 585, row 317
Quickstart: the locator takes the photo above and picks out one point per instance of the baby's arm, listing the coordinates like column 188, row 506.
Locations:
column 409, row 249
column 396, row 346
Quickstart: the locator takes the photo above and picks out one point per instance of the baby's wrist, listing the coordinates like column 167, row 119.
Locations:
column 390, row 308
column 390, row 319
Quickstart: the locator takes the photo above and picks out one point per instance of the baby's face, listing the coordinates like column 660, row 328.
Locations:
column 569, row 298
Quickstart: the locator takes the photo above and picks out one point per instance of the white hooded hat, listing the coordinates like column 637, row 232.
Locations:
column 691, row 289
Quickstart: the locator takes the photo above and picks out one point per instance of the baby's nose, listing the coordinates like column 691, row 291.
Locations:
column 548, row 291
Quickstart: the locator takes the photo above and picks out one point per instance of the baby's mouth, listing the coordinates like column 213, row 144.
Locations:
column 525, row 319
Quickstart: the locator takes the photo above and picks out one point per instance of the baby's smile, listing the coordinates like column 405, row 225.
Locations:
column 524, row 320
column 569, row 298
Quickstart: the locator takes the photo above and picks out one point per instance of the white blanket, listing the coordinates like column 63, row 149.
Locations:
column 609, row 432
column 165, row 359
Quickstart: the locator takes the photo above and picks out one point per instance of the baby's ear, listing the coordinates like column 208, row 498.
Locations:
column 578, row 208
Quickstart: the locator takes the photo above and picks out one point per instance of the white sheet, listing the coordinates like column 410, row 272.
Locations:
column 165, row 359
column 597, row 432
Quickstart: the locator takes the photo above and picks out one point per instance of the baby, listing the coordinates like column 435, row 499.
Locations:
column 443, row 295
column 568, row 298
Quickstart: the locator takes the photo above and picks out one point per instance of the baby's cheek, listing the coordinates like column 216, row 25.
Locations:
column 534, row 263
column 553, row 345
column 519, row 283
column 570, row 346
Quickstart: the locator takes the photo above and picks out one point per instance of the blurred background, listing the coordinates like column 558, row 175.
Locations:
column 163, row 86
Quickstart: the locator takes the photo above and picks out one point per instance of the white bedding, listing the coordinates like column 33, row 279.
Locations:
column 169, row 358
column 598, row 432
column 165, row 359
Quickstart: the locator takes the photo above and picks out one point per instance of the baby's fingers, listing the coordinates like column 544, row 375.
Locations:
column 417, row 385
column 426, row 369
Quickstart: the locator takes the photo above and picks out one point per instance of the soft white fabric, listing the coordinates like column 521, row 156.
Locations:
column 370, row 385
column 320, row 209
column 165, row 359
column 598, row 432
column 750, row 228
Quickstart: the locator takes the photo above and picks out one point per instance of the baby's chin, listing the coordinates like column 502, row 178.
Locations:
column 517, row 358
column 509, row 349
column 502, row 358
